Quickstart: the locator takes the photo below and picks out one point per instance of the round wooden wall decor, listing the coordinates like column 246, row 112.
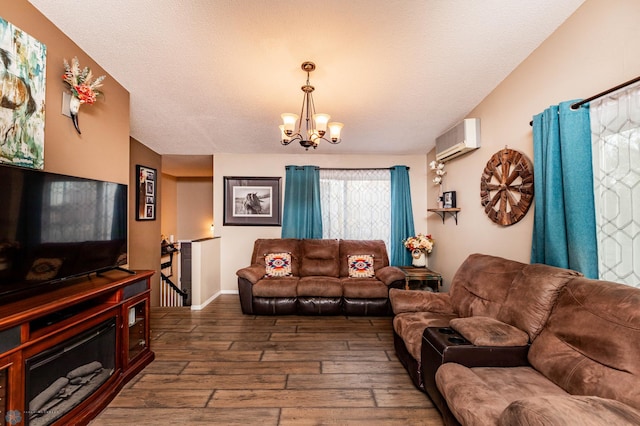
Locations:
column 506, row 187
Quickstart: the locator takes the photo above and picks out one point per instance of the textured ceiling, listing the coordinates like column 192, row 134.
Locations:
column 213, row 76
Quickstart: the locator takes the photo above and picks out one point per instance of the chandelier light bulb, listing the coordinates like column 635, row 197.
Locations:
column 283, row 136
column 334, row 130
column 321, row 121
column 289, row 121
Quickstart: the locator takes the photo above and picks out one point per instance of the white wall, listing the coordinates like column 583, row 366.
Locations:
column 595, row 49
column 205, row 272
column 237, row 241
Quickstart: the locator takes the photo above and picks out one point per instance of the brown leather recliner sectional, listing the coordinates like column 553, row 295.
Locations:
column 513, row 343
column 320, row 281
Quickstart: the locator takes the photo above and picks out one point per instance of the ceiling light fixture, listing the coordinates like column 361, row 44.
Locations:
column 315, row 124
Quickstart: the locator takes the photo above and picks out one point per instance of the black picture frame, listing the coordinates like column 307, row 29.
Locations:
column 252, row 201
column 449, row 199
column 146, row 188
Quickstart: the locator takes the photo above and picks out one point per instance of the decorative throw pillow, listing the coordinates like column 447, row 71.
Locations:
column 277, row 264
column 44, row 269
column 361, row 266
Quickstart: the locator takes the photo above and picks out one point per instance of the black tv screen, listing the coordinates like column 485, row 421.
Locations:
column 54, row 227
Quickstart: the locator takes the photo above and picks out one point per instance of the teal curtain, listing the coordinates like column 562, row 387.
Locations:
column 401, row 216
column 302, row 217
column 564, row 229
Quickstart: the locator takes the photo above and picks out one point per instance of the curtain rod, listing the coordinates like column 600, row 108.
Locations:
column 354, row 168
column 358, row 168
column 601, row 94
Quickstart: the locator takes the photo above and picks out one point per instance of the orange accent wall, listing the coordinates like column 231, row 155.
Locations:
column 102, row 150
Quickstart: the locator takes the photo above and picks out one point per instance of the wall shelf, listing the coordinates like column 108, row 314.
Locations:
column 443, row 213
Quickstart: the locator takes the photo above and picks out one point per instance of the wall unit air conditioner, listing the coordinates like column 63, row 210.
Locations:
column 460, row 139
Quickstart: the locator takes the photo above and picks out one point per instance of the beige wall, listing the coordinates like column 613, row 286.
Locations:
column 144, row 235
column 595, row 49
column 187, row 207
column 237, row 241
column 102, row 150
column 194, row 207
column 169, row 222
column 205, row 268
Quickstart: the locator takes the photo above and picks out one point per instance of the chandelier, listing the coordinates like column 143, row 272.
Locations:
column 315, row 125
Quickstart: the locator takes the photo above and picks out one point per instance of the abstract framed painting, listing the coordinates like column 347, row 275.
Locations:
column 23, row 62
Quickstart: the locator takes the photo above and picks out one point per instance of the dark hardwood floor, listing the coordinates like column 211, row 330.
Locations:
column 218, row 366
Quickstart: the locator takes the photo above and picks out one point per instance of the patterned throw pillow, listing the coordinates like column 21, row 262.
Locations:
column 278, row 264
column 361, row 266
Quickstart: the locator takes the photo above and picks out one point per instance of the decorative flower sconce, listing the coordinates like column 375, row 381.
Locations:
column 84, row 90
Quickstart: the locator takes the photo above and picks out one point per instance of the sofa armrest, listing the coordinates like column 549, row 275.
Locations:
column 251, row 273
column 390, row 274
column 419, row 301
column 487, row 331
column 568, row 410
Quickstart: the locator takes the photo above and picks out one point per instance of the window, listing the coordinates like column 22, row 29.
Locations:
column 356, row 204
column 615, row 127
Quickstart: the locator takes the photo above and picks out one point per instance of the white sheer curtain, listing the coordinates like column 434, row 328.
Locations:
column 615, row 128
column 356, row 204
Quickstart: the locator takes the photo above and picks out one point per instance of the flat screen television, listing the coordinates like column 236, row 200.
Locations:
column 55, row 227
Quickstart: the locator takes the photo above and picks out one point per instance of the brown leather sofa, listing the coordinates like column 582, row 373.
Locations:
column 584, row 367
column 320, row 281
column 581, row 364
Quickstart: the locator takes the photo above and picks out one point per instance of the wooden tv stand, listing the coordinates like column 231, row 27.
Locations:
column 38, row 323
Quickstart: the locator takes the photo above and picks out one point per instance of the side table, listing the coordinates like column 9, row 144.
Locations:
column 432, row 278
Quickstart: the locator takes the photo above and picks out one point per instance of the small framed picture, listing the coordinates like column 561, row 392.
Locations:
column 449, row 199
column 146, row 193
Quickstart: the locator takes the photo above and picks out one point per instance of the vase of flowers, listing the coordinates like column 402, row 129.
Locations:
column 420, row 246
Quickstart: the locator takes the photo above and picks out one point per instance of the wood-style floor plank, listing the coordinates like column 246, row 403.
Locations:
column 220, row 367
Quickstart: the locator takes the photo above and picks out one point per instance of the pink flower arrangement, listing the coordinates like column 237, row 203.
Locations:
column 420, row 242
column 81, row 82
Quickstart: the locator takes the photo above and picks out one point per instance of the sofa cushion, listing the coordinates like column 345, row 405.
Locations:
column 276, row 287
column 360, row 266
column 590, row 344
column 277, row 264
column 376, row 248
column 534, row 291
column 319, row 258
column 478, row 396
column 481, row 284
column 364, row 288
column 263, row 246
column 320, row 286
column 486, row 331
column 410, row 327
column 569, row 410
